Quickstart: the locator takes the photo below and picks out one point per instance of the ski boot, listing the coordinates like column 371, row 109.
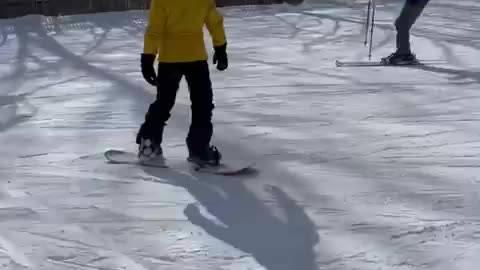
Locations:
column 210, row 156
column 397, row 58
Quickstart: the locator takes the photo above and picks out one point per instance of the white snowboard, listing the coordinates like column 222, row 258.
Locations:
column 125, row 157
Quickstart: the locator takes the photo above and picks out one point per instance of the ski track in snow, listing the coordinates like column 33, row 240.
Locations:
column 360, row 168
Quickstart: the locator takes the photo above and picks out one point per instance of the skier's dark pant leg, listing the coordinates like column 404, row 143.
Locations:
column 407, row 18
column 197, row 76
column 168, row 81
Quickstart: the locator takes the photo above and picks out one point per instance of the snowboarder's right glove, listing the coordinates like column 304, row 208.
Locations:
column 148, row 69
column 220, row 56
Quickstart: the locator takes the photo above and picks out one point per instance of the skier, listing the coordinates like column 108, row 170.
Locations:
column 174, row 34
column 412, row 9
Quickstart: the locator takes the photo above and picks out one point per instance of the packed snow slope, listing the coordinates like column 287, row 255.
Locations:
column 359, row 168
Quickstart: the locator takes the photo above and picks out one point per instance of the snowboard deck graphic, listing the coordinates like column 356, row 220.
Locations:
column 117, row 156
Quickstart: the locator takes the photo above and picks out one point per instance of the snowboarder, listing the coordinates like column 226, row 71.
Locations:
column 412, row 9
column 174, row 34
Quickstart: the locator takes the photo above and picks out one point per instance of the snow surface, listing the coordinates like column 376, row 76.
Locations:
column 359, row 168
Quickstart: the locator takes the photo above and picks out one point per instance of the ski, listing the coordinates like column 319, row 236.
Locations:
column 339, row 63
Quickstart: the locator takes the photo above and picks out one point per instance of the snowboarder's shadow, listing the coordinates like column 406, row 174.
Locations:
column 278, row 242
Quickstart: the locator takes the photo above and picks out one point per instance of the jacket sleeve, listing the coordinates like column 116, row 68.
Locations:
column 214, row 23
column 155, row 28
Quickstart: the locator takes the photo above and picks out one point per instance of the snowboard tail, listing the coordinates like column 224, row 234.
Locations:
column 116, row 156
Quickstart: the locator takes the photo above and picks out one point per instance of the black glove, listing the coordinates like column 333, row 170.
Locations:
column 148, row 69
column 220, row 56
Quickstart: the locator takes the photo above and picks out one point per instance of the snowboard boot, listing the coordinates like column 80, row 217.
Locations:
column 397, row 58
column 209, row 156
column 149, row 142
column 149, row 151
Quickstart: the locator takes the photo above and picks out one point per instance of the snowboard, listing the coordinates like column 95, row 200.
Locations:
column 116, row 156
column 339, row 63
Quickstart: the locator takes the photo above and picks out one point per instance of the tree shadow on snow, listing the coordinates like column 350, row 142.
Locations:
column 278, row 242
column 32, row 34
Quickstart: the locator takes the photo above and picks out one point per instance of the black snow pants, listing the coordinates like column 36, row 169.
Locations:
column 407, row 18
column 197, row 76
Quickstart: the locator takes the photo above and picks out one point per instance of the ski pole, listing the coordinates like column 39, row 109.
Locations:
column 371, row 29
column 368, row 22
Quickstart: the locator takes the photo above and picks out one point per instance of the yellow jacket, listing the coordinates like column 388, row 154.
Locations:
column 175, row 29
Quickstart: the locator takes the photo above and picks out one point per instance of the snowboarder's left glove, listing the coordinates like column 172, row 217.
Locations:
column 148, row 70
column 220, row 56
